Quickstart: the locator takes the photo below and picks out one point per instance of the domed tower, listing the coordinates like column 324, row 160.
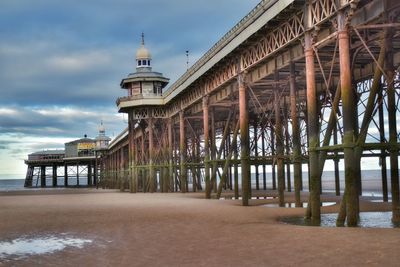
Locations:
column 102, row 140
column 143, row 58
column 147, row 114
column 144, row 83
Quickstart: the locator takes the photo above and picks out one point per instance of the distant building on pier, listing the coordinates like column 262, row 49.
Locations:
column 80, row 158
column 80, row 148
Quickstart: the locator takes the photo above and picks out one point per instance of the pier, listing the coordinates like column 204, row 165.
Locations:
column 293, row 84
column 82, row 160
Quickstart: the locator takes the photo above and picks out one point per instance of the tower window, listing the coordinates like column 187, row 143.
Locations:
column 139, row 62
column 148, row 62
column 144, row 63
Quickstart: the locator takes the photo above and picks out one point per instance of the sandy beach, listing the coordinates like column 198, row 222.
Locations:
column 184, row 230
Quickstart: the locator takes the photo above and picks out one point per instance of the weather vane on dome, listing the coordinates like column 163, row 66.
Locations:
column 142, row 38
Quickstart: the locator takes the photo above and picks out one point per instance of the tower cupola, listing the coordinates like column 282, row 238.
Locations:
column 143, row 57
column 142, row 85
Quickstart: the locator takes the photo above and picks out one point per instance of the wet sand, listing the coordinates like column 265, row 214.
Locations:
column 185, row 230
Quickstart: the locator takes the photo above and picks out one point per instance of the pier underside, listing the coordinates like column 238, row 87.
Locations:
column 72, row 172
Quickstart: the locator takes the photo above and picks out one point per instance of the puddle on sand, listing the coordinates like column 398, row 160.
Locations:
column 292, row 205
column 240, row 198
column 377, row 200
column 367, row 219
column 28, row 246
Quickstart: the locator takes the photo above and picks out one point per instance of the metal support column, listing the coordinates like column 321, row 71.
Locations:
column 263, row 155
column 279, row 146
column 54, row 175
column 152, row 178
column 95, row 170
column 336, row 163
column 295, row 136
column 351, row 190
column 66, row 175
column 236, row 170
column 313, row 134
column 287, row 148
column 206, row 147
column 182, row 152
column 121, row 169
column 43, row 176
column 89, row 174
column 132, row 155
column 142, row 170
column 273, row 169
column 213, row 151
column 170, row 157
column 256, row 153
column 382, row 158
column 77, row 173
column 244, row 141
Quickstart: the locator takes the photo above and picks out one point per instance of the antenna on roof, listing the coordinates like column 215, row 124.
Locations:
column 187, row 59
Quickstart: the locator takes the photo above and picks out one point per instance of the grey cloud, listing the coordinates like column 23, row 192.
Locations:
column 17, row 151
column 83, row 77
column 58, row 121
column 6, row 144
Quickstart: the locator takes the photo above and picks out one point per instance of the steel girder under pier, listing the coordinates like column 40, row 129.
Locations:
column 294, row 83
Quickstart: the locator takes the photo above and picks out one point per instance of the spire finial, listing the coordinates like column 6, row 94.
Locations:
column 142, row 38
column 187, row 59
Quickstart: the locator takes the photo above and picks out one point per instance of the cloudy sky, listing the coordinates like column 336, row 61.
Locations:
column 61, row 62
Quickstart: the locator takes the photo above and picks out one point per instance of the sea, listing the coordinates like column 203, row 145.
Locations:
column 371, row 182
column 17, row 184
